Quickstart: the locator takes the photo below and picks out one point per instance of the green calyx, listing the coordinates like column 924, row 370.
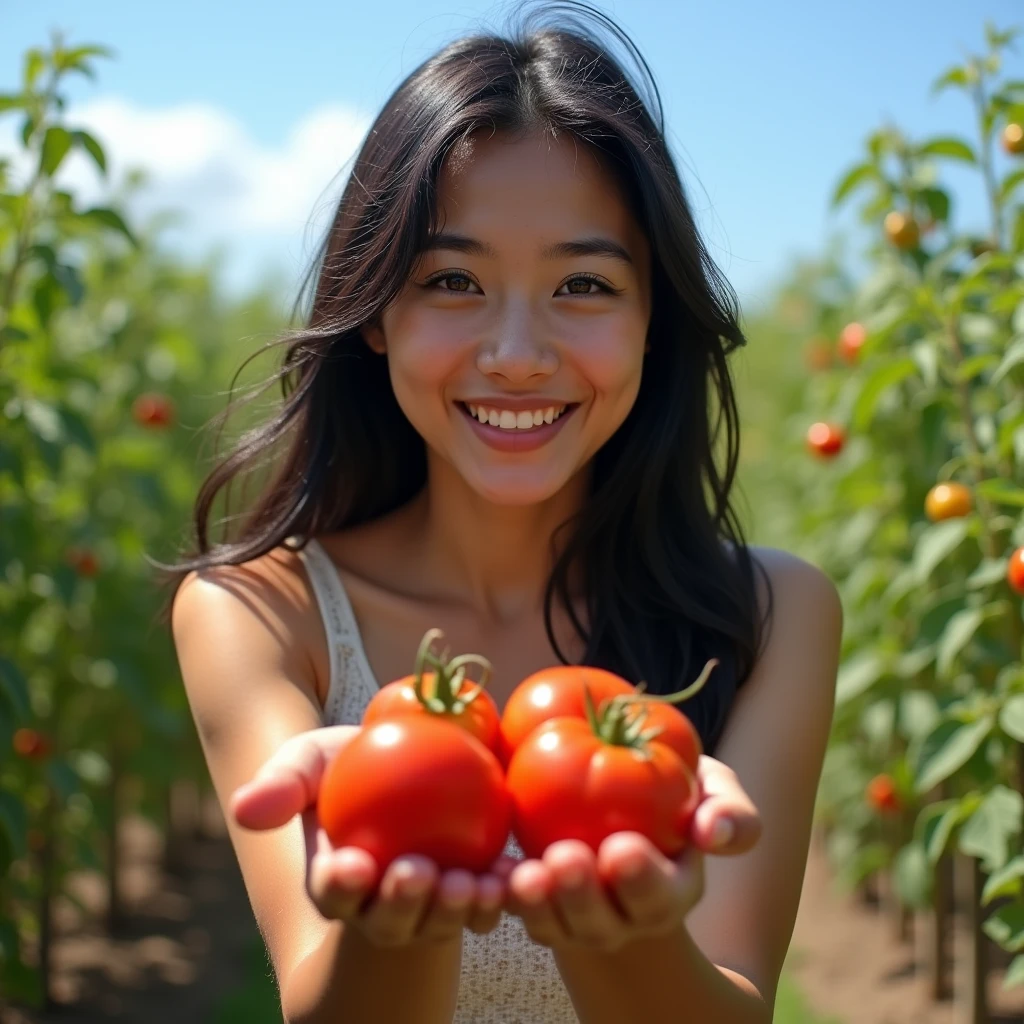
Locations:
column 620, row 721
column 449, row 675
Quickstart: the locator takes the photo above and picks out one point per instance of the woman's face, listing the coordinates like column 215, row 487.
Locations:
column 529, row 311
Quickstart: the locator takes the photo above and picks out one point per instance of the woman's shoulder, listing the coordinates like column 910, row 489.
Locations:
column 783, row 573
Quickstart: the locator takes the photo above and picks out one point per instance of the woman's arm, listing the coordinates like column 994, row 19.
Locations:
column 721, row 962
column 237, row 631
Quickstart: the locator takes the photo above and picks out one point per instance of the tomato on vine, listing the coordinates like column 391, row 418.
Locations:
column 444, row 693
column 882, row 795
column 826, row 439
column 1015, row 571
column 947, row 501
column 851, row 341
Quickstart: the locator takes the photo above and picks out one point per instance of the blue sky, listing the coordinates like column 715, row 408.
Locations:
column 247, row 114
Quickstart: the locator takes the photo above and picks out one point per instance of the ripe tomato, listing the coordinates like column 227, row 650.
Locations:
column 31, row 744
column 414, row 784
column 1012, row 138
column 1015, row 571
column 882, row 795
column 947, row 501
column 153, row 410
column 901, row 229
column 826, row 439
column 443, row 693
column 851, row 340
column 479, row 717
column 567, row 783
column 554, row 693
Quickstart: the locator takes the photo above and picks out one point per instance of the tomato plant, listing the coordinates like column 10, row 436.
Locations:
column 416, row 784
column 444, row 693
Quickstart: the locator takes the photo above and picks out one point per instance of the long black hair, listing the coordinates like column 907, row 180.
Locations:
column 668, row 576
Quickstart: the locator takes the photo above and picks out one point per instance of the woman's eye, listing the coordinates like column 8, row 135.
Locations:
column 456, row 282
column 584, row 286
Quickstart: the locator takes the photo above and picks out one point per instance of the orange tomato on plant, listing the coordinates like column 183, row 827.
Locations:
column 1012, row 138
column 444, row 693
column 882, row 795
column 851, row 340
column 901, row 229
column 947, row 501
column 1015, row 571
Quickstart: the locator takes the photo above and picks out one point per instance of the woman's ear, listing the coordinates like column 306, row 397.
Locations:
column 373, row 335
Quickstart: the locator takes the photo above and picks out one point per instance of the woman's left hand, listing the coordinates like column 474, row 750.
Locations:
column 572, row 897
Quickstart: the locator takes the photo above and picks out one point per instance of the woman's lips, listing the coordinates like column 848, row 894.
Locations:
column 516, row 440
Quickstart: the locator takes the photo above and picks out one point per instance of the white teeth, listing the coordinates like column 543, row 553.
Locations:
column 506, row 419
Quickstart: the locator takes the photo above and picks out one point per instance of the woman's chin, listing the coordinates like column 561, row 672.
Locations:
column 515, row 489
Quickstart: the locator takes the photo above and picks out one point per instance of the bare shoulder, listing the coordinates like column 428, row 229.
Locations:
column 264, row 605
column 797, row 587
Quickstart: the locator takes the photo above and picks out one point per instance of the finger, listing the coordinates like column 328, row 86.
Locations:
column 394, row 916
column 490, row 901
column 654, row 892
column 288, row 782
column 450, row 907
column 529, row 889
column 726, row 821
column 340, row 880
column 579, row 897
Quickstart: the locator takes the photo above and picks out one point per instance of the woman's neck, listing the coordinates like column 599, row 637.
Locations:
column 497, row 558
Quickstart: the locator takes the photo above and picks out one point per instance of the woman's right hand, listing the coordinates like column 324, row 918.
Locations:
column 411, row 902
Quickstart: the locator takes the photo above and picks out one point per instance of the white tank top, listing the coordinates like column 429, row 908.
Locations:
column 506, row 977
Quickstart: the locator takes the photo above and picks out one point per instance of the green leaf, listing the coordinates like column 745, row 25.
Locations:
column 936, row 822
column 14, row 687
column 955, row 149
column 1011, row 717
column 92, row 147
column 935, row 544
column 947, row 748
column 14, row 822
column 67, row 60
column 1013, row 356
column 13, row 101
column 919, row 713
column 110, row 219
column 971, row 368
column 953, row 77
column 56, row 144
column 883, row 378
column 1014, row 973
column 955, row 637
column 937, row 202
column 1017, row 236
column 1006, row 926
column 1010, row 182
column 1004, row 882
column 1002, row 492
column 854, row 177
column 988, row 572
column 912, row 875
column 35, row 62
column 988, row 831
column 858, row 674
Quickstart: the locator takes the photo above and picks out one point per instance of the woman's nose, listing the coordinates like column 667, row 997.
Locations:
column 516, row 349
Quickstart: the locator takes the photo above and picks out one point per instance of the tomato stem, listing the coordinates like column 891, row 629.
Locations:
column 448, row 676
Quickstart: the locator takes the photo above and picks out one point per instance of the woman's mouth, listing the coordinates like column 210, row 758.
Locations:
column 520, row 431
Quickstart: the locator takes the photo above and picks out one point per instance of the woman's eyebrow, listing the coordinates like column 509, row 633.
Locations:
column 595, row 246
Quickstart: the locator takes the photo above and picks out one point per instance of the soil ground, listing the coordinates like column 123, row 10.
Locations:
column 190, row 949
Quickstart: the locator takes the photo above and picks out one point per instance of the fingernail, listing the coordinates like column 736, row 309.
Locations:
column 633, row 868
column 722, row 833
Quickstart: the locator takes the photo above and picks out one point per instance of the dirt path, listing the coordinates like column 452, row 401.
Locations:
column 849, row 962
column 190, row 938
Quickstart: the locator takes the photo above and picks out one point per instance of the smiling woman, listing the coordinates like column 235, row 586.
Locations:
column 510, row 415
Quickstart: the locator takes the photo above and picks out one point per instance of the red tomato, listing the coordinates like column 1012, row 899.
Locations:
column 31, row 744
column 882, row 796
column 554, row 693
column 1015, row 571
column 417, row 785
column 851, row 341
column 153, row 410
column 826, row 439
column 567, row 783
column 444, row 693
column 479, row 717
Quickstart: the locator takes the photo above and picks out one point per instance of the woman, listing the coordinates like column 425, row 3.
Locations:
column 501, row 420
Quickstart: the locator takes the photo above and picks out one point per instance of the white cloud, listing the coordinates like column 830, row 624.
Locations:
column 261, row 203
